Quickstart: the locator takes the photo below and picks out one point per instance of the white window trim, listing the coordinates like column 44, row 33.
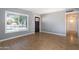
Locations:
column 27, row 28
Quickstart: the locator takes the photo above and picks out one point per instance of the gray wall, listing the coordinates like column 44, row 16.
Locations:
column 77, row 9
column 78, row 27
column 3, row 35
column 53, row 22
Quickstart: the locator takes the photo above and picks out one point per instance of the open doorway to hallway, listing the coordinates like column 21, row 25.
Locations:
column 72, row 27
column 37, row 24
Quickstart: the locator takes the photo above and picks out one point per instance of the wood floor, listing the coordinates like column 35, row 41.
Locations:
column 40, row 41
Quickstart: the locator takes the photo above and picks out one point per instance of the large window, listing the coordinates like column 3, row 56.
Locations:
column 15, row 22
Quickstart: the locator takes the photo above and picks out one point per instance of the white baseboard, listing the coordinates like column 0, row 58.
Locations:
column 54, row 33
column 16, row 37
column 30, row 34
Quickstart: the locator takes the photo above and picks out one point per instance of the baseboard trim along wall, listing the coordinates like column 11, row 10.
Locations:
column 54, row 33
column 16, row 37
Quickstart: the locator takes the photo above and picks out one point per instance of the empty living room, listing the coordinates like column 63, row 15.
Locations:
column 39, row 28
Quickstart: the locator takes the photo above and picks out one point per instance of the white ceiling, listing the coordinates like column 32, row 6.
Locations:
column 43, row 10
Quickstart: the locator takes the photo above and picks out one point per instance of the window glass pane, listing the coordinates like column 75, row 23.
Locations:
column 22, row 22
column 12, row 19
column 15, row 22
column 12, row 22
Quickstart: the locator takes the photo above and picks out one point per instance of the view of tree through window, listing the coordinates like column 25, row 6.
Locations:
column 15, row 22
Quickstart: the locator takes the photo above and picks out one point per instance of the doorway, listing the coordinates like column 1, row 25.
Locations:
column 71, row 27
column 37, row 24
column 71, row 23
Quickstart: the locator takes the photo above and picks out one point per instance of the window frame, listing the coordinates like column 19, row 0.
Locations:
column 16, row 13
